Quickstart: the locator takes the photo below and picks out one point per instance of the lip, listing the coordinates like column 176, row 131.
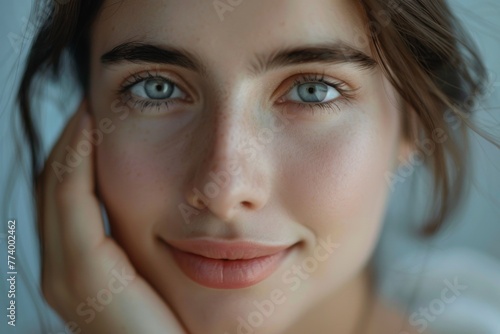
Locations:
column 227, row 265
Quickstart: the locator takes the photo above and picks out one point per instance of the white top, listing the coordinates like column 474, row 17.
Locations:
column 457, row 291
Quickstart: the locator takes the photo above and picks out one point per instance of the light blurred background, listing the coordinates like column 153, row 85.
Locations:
column 410, row 271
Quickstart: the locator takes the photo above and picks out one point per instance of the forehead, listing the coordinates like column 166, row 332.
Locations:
column 227, row 28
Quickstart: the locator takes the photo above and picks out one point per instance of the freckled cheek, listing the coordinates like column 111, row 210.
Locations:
column 134, row 181
column 342, row 181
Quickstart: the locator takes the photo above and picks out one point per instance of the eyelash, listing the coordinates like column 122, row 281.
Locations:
column 346, row 94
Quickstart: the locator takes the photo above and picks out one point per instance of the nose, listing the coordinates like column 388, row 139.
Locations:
column 231, row 175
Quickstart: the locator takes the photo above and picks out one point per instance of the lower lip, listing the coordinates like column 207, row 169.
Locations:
column 227, row 274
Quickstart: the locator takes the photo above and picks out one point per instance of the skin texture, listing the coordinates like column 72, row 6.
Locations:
column 81, row 263
column 321, row 176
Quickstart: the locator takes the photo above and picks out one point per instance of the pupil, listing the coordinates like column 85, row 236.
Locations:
column 313, row 92
column 158, row 89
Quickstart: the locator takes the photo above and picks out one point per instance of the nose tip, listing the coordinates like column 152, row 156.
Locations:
column 225, row 194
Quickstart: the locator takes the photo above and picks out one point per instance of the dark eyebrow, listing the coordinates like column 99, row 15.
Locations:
column 136, row 52
column 336, row 53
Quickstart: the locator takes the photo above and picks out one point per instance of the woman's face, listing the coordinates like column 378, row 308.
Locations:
column 272, row 136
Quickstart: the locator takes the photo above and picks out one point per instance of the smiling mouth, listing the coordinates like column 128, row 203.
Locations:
column 223, row 265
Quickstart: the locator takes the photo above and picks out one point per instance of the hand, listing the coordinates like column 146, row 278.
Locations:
column 86, row 277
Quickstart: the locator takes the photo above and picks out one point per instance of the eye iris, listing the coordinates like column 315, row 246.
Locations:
column 313, row 92
column 158, row 89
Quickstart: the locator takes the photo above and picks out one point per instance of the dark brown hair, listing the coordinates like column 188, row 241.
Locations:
column 420, row 45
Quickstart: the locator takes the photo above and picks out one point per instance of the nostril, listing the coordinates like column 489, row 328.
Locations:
column 199, row 203
column 247, row 204
column 196, row 201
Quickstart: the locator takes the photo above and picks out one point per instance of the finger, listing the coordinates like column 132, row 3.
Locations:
column 48, row 227
column 77, row 207
column 54, row 172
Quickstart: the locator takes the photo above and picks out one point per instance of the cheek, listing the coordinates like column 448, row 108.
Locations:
column 124, row 177
column 339, row 189
column 135, row 177
column 339, row 182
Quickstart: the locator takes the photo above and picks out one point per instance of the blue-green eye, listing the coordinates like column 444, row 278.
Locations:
column 156, row 88
column 313, row 92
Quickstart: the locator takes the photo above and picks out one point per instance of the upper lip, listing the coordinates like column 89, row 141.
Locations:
column 228, row 250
